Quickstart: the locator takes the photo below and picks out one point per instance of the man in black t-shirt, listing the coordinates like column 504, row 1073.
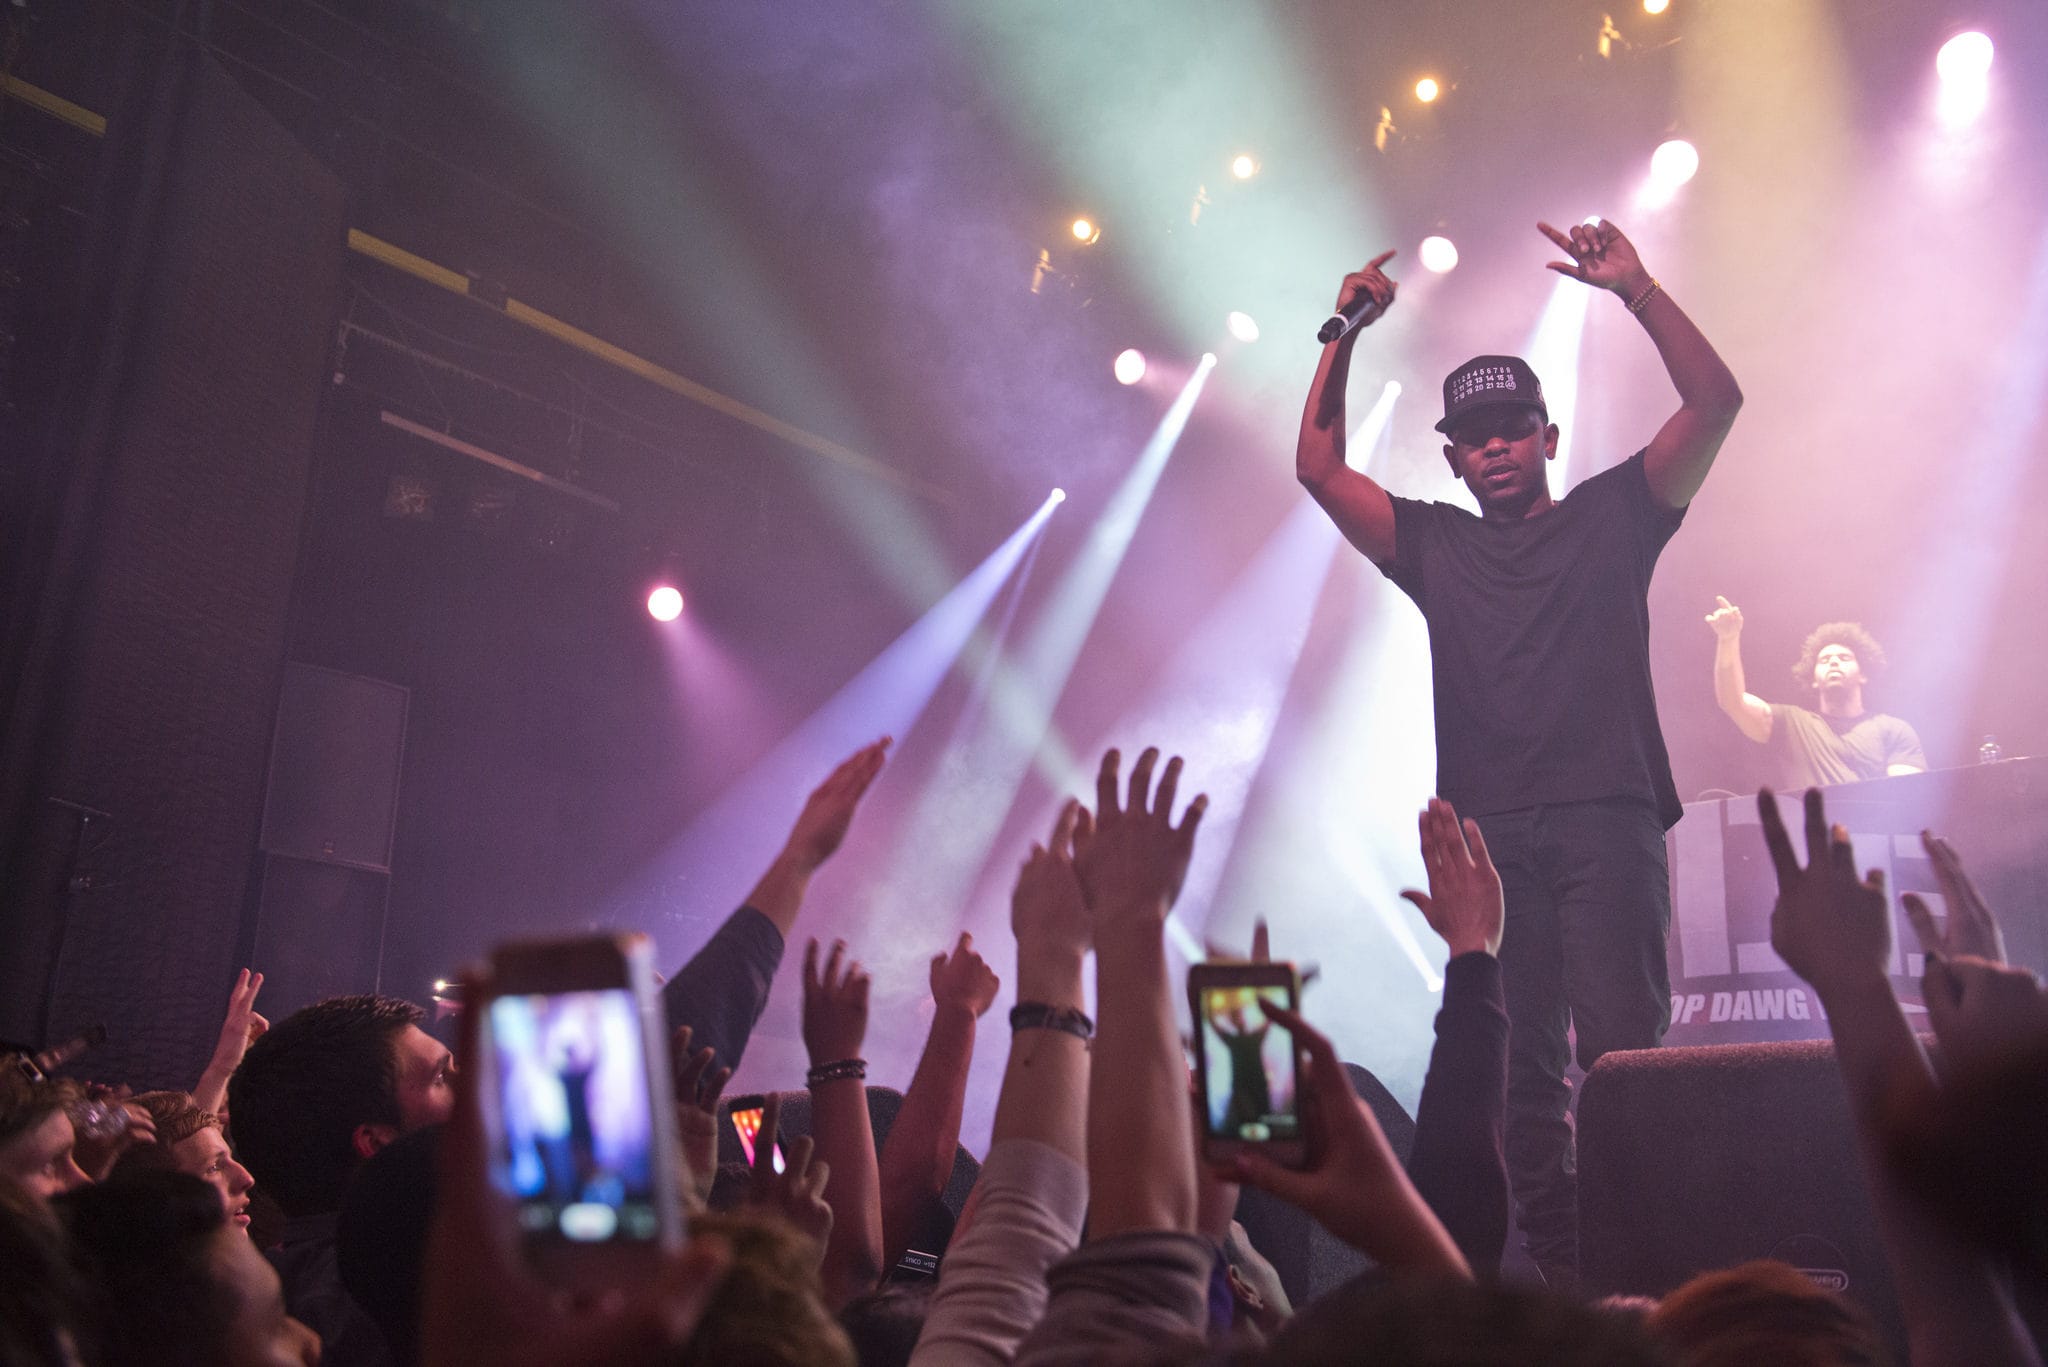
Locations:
column 1841, row 743
column 1546, row 721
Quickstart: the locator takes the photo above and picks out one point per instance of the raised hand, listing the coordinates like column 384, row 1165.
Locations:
column 1464, row 903
column 698, row 1087
column 1133, row 864
column 1725, row 619
column 1600, row 257
column 1830, row 927
column 1971, row 928
column 479, row 1304
column 238, row 1030
column 1353, row 1184
column 822, row 825
column 835, row 1005
column 1370, row 282
column 1983, row 1010
column 962, row 981
column 797, row 1193
column 1047, row 913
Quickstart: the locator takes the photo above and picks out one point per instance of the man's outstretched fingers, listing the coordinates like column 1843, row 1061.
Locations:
column 1141, row 780
column 1169, row 784
column 1106, row 796
column 1775, row 838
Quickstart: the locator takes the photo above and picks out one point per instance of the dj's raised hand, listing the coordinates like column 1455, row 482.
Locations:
column 1600, row 257
column 1134, row 863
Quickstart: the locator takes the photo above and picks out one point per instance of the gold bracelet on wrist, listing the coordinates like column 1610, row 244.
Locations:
column 1642, row 301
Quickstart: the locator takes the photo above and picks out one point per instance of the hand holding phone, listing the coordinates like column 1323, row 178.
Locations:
column 481, row 1301
column 579, row 1098
column 1352, row 1184
column 1247, row 1082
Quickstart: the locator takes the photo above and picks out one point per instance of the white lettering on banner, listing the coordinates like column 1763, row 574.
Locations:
column 1752, row 1004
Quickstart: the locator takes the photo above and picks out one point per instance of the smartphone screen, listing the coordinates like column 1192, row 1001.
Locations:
column 746, row 1122
column 1248, row 1092
column 577, row 1138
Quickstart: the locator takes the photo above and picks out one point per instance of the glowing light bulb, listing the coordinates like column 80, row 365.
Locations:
column 665, row 604
column 1084, row 230
column 1438, row 254
column 1244, row 168
column 1059, row 495
column 1965, row 57
column 1427, row 89
column 1656, row 6
column 1130, row 366
column 1242, row 327
column 1674, row 163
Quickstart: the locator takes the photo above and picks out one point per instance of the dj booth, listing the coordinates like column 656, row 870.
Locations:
column 1727, row 986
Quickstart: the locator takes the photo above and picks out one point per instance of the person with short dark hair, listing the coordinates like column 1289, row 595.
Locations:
column 1840, row 743
column 1546, row 715
column 314, row 1098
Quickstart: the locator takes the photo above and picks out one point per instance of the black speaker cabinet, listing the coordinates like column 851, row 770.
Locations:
column 1692, row 1159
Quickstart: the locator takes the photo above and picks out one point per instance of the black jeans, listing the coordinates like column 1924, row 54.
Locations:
column 1588, row 909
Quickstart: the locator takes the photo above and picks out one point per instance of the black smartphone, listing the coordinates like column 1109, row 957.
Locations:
column 746, row 1114
column 581, row 1106
column 1245, row 1064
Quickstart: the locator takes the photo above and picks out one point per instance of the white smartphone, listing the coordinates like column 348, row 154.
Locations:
column 580, row 1103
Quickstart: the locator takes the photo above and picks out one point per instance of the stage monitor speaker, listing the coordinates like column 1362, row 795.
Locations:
column 1693, row 1159
column 334, row 767
column 319, row 932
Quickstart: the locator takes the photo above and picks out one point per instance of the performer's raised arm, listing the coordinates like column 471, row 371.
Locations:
column 1358, row 505
column 1744, row 708
column 1683, row 450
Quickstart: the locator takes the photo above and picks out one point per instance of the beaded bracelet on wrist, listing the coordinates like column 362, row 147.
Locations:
column 1642, row 301
column 839, row 1071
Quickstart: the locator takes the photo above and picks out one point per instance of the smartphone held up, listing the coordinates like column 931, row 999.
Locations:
column 580, row 1105
column 1245, row 1062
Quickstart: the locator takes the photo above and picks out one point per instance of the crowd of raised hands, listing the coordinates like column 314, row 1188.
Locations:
column 1095, row 1231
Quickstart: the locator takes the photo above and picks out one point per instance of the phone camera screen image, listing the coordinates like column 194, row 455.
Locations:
column 577, row 1143
column 746, row 1122
column 1248, row 1062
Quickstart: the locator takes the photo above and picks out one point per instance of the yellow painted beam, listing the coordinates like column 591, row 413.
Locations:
column 56, row 106
column 570, row 335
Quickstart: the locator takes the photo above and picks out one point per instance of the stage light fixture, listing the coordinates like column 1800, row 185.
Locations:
column 1130, row 366
column 1244, row 168
column 664, row 604
column 1242, row 327
column 1427, row 89
column 1439, row 254
column 1965, row 57
column 1674, row 163
column 1059, row 495
column 1656, row 6
column 1086, row 230
column 1208, row 360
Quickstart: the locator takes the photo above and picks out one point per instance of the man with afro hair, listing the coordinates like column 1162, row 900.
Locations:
column 1839, row 743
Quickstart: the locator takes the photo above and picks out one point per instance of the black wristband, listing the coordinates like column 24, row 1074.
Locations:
column 836, row 1072
column 1040, row 1016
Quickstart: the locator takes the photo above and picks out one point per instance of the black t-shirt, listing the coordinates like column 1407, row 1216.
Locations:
column 1812, row 749
column 1539, row 640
